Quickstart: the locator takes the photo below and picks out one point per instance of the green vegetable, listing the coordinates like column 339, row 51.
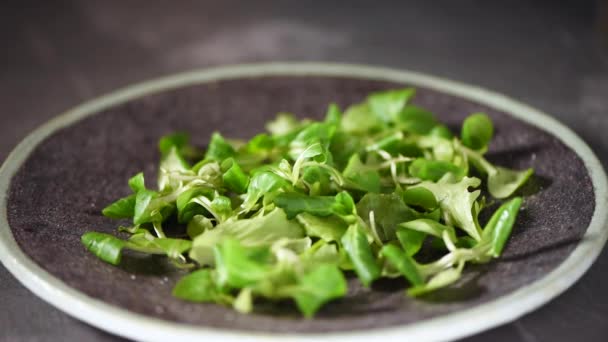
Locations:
column 374, row 190
column 324, row 283
column 257, row 231
column 200, row 286
column 456, row 202
column 433, row 169
column 416, row 120
column 387, row 105
column 360, row 254
column 477, row 131
column 404, row 263
column 420, row 197
column 295, row 203
column 109, row 248
column 219, row 148
column 502, row 182
column 234, row 178
column 123, row 208
column 498, row 229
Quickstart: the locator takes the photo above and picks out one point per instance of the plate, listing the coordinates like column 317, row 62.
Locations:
column 55, row 183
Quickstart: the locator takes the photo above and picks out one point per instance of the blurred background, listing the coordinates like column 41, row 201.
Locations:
column 552, row 55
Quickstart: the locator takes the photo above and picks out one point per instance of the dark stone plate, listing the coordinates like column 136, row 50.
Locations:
column 58, row 194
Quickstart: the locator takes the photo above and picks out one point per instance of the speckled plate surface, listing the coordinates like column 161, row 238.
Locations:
column 55, row 183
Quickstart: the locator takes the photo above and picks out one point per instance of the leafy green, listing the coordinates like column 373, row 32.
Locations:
column 137, row 183
column 317, row 287
column 360, row 254
column 420, row 197
column 256, row 231
column 404, row 263
column 456, row 202
column 187, row 208
column 502, row 182
column 283, row 124
column 359, row 119
column 388, row 212
column 498, row 229
column 416, row 120
column 261, row 183
column 411, row 240
column 219, row 149
column 109, row 248
column 106, row 247
column 234, row 178
column 239, row 267
column 295, row 203
column 360, row 176
column 383, row 189
column 441, row 279
column 200, row 286
column 123, row 208
column 433, row 170
column 387, row 105
column 326, row 228
column 477, row 131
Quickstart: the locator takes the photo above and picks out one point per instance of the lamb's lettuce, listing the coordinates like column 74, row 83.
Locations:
column 381, row 190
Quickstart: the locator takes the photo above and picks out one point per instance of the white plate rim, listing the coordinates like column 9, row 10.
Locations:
column 451, row 326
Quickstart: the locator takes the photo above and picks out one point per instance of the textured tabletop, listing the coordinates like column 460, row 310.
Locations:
column 550, row 56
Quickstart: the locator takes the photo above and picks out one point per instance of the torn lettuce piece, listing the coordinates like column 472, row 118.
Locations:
column 326, row 228
column 295, row 203
column 498, row 230
column 137, row 182
column 411, row 241
column 234, row 178
column 256, row 272
column 404, row 263
column 172, row 163
column 440, row 280
column 333, row 116
column 416, row 120
column 197, row 225
column 284, row 123
column 318, row 132
column 315, row 288
column 201, row 286
column 238, row 266
column 109, row 248
column 477, row 131
column 261, row 183
column 256, row 231
column 180, row 141
column 219, row 149
column 123, row 208
column 360, row 176
column 429, row 227
column 420, row 198
column 387, row 105
column 433, row 170
column 187, row 208
column 388, row 212
column 456, row 202
column 359, row 119
column 359, row 251
column 501, row 182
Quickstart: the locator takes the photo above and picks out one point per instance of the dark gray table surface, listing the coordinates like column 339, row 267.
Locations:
column 549, row 55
